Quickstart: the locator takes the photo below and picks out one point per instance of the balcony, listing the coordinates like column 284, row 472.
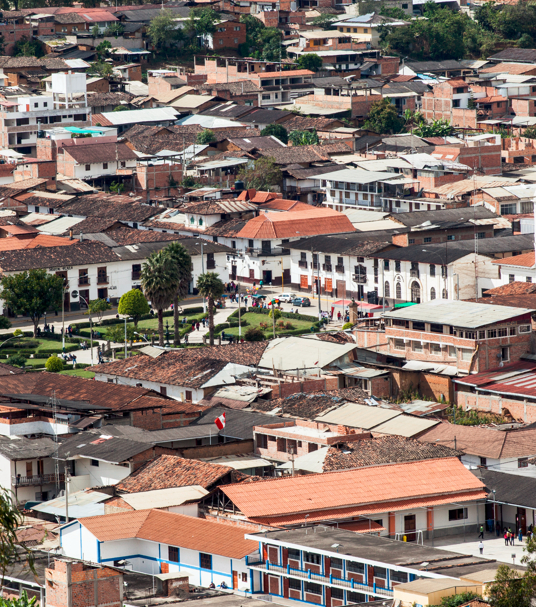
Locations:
column 136, row 275
column 339, row 269
column 327, row 267
column 83, row 281
column 102, row 279
column 360, row 279
column 302, row 264
column 299, row 574
column 38, row 479
column 273, row 252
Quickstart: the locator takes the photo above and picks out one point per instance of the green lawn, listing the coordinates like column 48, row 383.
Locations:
column 78, row 373
column 152, row 323
column 254, row 320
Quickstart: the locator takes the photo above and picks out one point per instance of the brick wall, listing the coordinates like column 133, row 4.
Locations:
column 232, row 34
column 521, row 410
column 428, row 385
column 116, row 504
column 157, row 86
column 439, row 180
column 402, row 240
column 99, row 86
column 146, row 456
column 158, row 177
column 71, row 584
column 311, row 385
column 390, row 65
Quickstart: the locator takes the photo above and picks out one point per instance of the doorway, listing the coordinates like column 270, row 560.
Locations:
column 415, row 292
column 521, row 520
column 235, row 580
column 341, row 289
column 267, row 277
column 410, row 525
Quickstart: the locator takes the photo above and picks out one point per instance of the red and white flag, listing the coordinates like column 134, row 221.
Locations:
column 220, row 421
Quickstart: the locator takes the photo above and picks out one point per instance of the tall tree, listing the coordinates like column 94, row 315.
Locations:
column 304, row 138
column 163, row 30
column 31, row 293
column 309, row 61
column 201, row 23
column 276, row 130
column 160, row 281
column 383, row 118
column 211, row 287
column 181, row 258
column 262, row 174
column 133, row 304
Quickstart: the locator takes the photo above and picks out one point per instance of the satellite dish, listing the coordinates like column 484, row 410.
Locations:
column 74, row 294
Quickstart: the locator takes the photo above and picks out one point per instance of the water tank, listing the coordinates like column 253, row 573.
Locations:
column 238, row 185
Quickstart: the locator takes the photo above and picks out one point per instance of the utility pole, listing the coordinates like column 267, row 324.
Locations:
column 203, row 271
column 66, row 475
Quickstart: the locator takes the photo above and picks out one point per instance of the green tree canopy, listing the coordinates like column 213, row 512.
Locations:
column 309, row 61
column 103, row 48
column 211, row 287
column 325, row 22
column 100, row 68
column 205, row 137
column 97, row 307
column 163, row 30
column 276, row 130
column 120, row 108
column 263, row 174
column 201, row 22
column 31, row 293
column 160, row 280
column 133, row 304
column 254, row 334
column 183, row 263
column 24, row 47
column 261, row 42
column 17, row 360
column 116, row 333
column 456, row 600
column 383, row 118
column 436, row 128
column 54, row 364
column 304, row 137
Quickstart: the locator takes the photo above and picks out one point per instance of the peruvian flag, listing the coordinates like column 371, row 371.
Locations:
column 220, row 421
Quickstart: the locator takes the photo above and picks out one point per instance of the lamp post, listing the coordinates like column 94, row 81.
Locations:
column 167, row 332
column 126, row 342
column 140, row 335
column 202, row 272
column 90, row 328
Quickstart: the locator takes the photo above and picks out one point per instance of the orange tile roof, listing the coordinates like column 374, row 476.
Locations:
column 525, row 260
column 296, row 224
column 42, row 240
column 10, row 229
column 508, row 68
column 380, row 508
column 174, row 529
column 286, row 205
column 351, row 489
column 491, row 99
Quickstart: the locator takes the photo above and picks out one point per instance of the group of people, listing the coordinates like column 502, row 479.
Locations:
column 46, row 330
column 68, row 358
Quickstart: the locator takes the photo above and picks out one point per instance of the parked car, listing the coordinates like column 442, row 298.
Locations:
column 287, row 297
column 304, row 302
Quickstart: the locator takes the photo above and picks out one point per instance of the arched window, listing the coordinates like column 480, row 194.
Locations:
column 432, row 293
column 387, row 289
column 200, row 221
column 192, row 220
column 445, row 294
column 398, row 290
column 416, row 292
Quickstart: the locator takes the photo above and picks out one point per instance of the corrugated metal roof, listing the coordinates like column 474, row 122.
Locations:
column 140, row 116
column 240, row 461
column 81, row 504
column 59, row 226
column 358, row 416
column 458, row 313
column 286, row 353
column 164, row 498
column 357, row 176
column 406, row 425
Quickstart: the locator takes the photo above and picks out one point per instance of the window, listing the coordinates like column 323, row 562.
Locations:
column 432, row 270
column 512, row 331
column 251, row 244
column 313, row 588
column 104, row 165
column 380, row 572
column 387, row 289
column 452, row 352
column 466, row 353
column 163, row 390
column 294, row 554
column 337, row 593
column 505, row 353
column 416, row 346
column 502, row 332
column 262, row 441
column 451, row 237
column 311, row 557
column 88, row 167
column 492, row 333
column 123, row 164
column 294, row 584
column 336, row 564
column 311, row 447
column 523, row 462
column 173, row 554
column 444, row 294
column 399, row 576
column 237, row 28
column 460, row 90
column 444, row 272
column 412, row 241
column 435, row 349
column 398, row 344
column 397, row 266
column 355, row 567
column 511, row 278
column 205, row 560
column 428, row 239
column 432, row 293
column 481, row 235
column 398, row 289
column 244, row 577
column 528, row 279
column 523, row 328
column 483, row 461
column 458, row 514
column 386, row 264
column 508, row 209
column 95, row 462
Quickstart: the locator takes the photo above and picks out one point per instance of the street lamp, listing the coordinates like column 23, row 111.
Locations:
column 202, row 272
column 136, row 333
column 90, row 328
column 126, row 342
column 167, row 332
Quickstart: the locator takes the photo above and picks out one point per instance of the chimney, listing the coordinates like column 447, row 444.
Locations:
column 71, row 234
column 81, row 237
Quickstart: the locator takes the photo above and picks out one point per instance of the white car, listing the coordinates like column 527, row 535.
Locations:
column 287, row 297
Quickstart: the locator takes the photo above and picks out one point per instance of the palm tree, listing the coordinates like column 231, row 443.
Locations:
column 160, row 280
column 211, row 287
column 181, row 258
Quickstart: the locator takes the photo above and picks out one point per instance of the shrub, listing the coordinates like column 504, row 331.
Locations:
column 281, row 324
column 263, row 325
column 54, row 364
column 17, row 360
column 347, row 325
column 254, row 334
column 289, row 325
column 276, row 313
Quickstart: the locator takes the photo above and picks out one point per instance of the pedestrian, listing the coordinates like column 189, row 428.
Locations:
column 184, row 319
column 481, row 534
column 339, row 315
column 505, row 537
column 52, row 329
column 197, row 325
column 481, row 547
column 186, row 339
column 520, row 536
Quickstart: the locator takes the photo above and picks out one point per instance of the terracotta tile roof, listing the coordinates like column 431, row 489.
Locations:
column 383, row 450
column 296, row 154
column 172, row 471
column 491, row 99
column 525, row 260
column 296, row 223
column 203, row 535
column 508, row 68
column 301, row 123
column 78, row 253
column 42, row 240
column 94, row 225
column 341, row 337
column 285, row 205
column 188, row 367
column 104, row 152
column 311, row 404
column 9, row 370
column 127, row 236
column 388, row 484
column 514, row 288
column 110, row 206
column 97, row 393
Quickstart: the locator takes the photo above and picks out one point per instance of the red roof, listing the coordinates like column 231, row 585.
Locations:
column 525, row 260
column 296, row 224
column 42, row 240
column 349, row 492
column 491, row 99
